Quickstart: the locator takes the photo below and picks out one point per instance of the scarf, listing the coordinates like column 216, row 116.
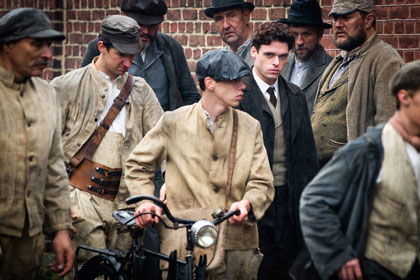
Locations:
column 397, row 123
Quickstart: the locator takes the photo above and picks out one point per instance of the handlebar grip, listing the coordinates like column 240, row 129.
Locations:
column 226, row 216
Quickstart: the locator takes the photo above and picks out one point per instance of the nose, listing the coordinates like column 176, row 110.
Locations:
column 144, row 29
column 226, row 23
column 276, row 60
column 299, row 40
column 338, row 22
column 127, row 60
column 46, row 52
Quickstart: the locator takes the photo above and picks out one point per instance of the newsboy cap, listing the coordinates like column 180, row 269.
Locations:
column 305, row 12
column 123, row 32
column 345, row 7
column 222, row 5
column 27, row 23
column 406, row 78
column 145, row 12
column 221, row 65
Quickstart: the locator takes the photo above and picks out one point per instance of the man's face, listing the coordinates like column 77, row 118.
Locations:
column 269, row 60
column 114, row 62
column 232, row 26
column 229, row 93
column 306, row 40
column 28, row 57
column 349, row 31
column 148, row 33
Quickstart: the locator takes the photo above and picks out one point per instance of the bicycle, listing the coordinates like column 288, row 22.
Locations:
column 118, row 265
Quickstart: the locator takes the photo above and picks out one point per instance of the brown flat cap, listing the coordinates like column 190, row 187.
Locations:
column 345, row 7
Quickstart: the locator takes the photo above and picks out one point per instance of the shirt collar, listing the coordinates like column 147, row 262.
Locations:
column 302, row 65
column 263, row 85
column 8, row 79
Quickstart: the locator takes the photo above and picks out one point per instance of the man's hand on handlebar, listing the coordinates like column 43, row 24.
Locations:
column 244, row 206
column 146, row 220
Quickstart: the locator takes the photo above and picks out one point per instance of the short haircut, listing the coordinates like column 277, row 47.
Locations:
column 364, row 15
column 107, row 43
column 272, row 31
column 406, row 78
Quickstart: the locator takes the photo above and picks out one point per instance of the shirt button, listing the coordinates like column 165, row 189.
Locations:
column 21, row 94
column 29, row 124
column 31, row 158
column 103, row 95
column 216, row 190
column 322, row 137
column 28, row 193
column 328, row 113
column 95, row 119
column 215, row 157
column 78, row 144
column 324, row 124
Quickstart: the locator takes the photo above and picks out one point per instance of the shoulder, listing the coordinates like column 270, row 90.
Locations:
column 380, row 49
column 42, row 85
column 163, row 38
column 246, row 121
column 71, row 78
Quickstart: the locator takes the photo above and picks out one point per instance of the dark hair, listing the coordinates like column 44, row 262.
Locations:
column 272, row 31
column 406, row 78
column 107, row 43
column 202, row 85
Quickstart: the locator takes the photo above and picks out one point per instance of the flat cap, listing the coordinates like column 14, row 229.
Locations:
column 406, row 78
column 345, row 7
column 27, row 23
column 123, row 32
column 221, row 65
column 145, row 12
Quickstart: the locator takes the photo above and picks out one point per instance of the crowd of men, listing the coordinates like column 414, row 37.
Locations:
column 321, row 155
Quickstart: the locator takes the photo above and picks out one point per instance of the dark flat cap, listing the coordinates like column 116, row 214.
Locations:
column 305, row 12
column 27, row 23
column 223, row 5
column 123, row 32
column 345, row 7
column 221, row 65
column 406, row 78
column 145, row 12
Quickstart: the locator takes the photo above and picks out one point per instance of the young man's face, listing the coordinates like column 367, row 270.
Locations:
column 148, row 33
column 306, row 40
column 232, row 26
column 269, row 60
column 28, row 57
column 349, row 31
column 114, row 62
column 229, row 93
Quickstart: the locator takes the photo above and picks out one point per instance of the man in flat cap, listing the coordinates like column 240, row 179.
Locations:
column 280, row 106
column 34, row 195
column 352, row 92
column 309, row 59
column 161, row 61
column 232, row 18
column 360, row 215
column 196, row 142
column 105, row 113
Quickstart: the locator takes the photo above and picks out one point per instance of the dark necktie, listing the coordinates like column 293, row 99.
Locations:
column 273, row 98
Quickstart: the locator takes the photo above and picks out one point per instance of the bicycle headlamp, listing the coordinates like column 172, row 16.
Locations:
column 204, row 234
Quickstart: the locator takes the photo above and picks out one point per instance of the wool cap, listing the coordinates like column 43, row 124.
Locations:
column 406, row 78
column 345, row 7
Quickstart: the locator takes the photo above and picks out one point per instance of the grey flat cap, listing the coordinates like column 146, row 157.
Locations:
column 27, row 23
column 123, row 32
column 406, row 78
column 221, row 65
column 345, row 7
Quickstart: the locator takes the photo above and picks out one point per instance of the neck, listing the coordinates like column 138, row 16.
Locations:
column 6, row 64
column 214, row 108
column 100, row 66
column 411, row 127
column 236, row 46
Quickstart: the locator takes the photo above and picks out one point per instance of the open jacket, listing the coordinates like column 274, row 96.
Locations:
column 317, row 65
column 336, row 205
column 302, row 163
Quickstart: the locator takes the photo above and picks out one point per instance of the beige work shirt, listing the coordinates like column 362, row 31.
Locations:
column 197, row 166
column 82, row 94
column 33, row 179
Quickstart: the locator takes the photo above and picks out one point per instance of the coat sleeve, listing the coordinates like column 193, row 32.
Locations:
column 320, row 223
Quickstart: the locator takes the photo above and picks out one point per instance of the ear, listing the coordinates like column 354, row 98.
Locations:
column 320, row 33
column 254, row 52
column 102, row 49
column 369, row 21
column 209, row 83
column 404, row 98
column 247, row 16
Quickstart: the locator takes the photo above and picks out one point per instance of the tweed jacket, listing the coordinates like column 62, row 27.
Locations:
column 317, row 65
column 369, row 100
column 197, row 166
column 33, row 179
column 173, row 58
column 301, row 159
column 82, row 98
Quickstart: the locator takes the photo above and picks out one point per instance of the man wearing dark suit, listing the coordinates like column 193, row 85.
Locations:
column 281, row 109
column 309, row 59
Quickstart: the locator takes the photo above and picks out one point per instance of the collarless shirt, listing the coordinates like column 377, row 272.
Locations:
column 299, row 71
column 264, row 86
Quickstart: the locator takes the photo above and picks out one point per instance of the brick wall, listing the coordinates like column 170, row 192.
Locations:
column 398, row 23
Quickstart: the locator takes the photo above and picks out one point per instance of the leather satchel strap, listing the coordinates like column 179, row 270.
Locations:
column 89, row 148
column 232, row 156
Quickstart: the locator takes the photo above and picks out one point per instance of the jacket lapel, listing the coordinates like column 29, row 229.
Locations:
column 315, row 68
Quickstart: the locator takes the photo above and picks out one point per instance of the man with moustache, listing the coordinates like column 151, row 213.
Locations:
column 309, row 59
column 352, row 92
column 34, row 195
column 87, row 96
column 280, row 106
column 161, row 61
column 232, row 18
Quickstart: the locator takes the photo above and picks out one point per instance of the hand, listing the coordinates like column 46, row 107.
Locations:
column 350, row 270
column 147, row 220
column 64, row 253
column 242, row 218
column 162, row 193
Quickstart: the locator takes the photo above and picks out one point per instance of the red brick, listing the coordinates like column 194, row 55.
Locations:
column 173, row 15
column 275, row 14
column 83, row 15
column 409, row 42
column 206, row 27
column 388, row 27
column 173, row 28
column 197, row 27
column 181, row 27
column 214, row 40
column 76, row 38
column 182, row 39
column 197, row 54
column 397, row 12
column 191, row 65
column 190, row 27
column 98, row 14
column 399, row 27
column 196, row 40
column 165, row 27
column 190, row 14
column 268, row 3
column 188, row 53
column 259, row 14
column 409, row 27
column 417, row 56
column 392, row 40
column 408, row 56
column 382, row 13
column 415, row 11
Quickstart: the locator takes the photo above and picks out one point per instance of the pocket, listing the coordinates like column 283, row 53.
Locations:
column 336, row 144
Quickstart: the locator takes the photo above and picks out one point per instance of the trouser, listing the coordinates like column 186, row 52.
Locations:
column 20, row 257
column 277, row 238
column 374, row 271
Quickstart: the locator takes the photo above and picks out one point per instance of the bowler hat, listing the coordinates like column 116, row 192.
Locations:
column 123, row 32
column 145, row 12
column 345, row 7
column 221, row 65
column 222, row 5
column 305, row 12
column 27, row 23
